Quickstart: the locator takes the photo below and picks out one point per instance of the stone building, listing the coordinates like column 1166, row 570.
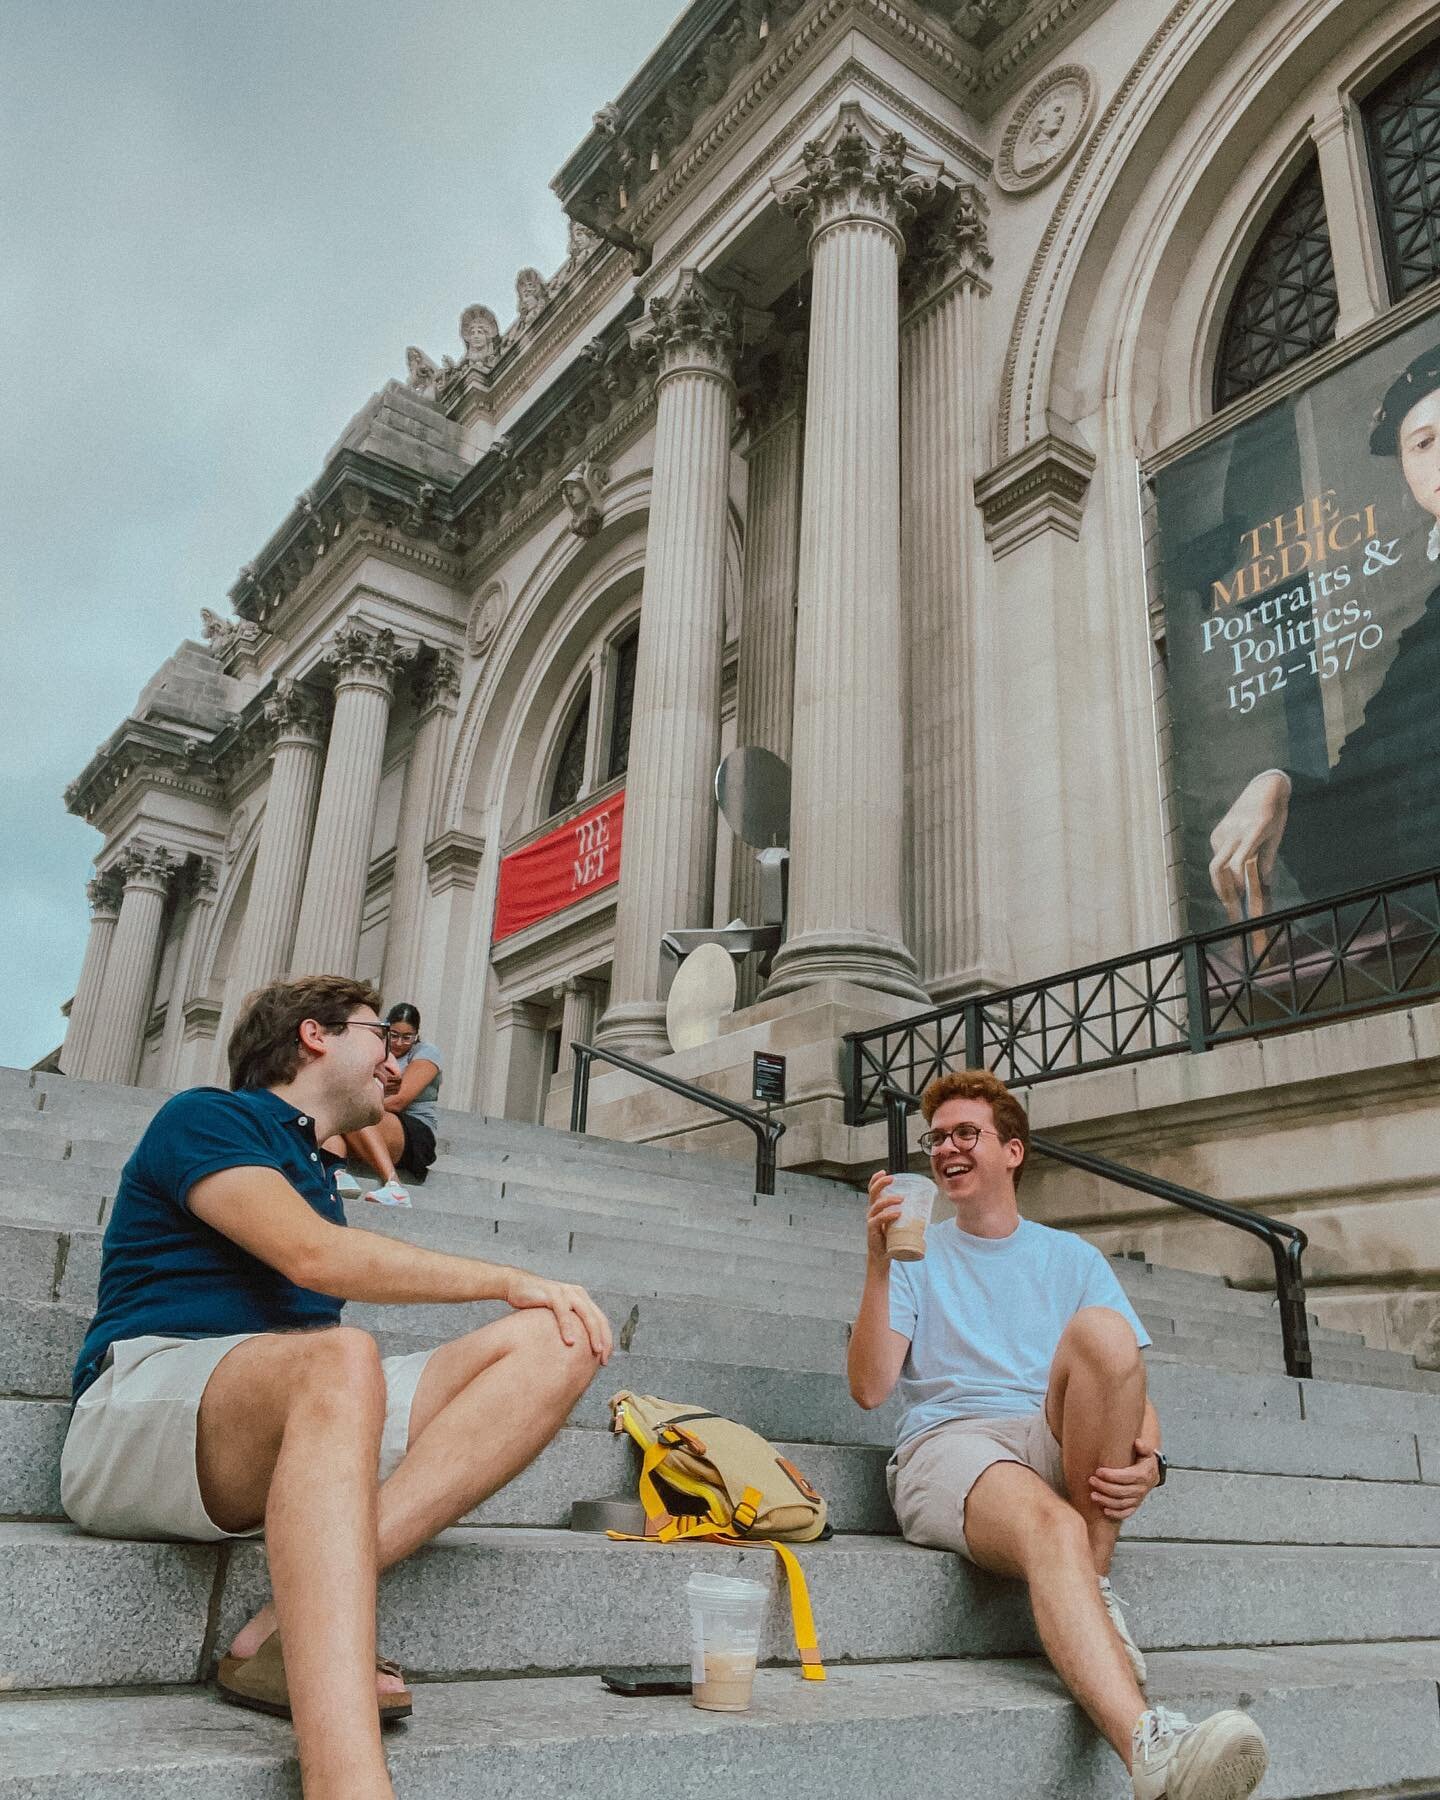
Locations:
column 832, row 434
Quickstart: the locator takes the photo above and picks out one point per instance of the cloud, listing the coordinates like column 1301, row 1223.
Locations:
column 223, row 224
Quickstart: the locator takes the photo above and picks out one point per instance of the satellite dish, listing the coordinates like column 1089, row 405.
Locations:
column 753, row 789
column 701, row 995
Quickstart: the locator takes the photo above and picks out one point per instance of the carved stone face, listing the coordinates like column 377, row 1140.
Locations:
column 480, row 332
column 1041, row 137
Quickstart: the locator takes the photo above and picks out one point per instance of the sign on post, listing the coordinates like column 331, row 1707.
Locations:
column 767, row 1080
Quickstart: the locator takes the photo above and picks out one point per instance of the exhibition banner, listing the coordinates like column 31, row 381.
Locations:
column 1299, row 558
column 575, row 860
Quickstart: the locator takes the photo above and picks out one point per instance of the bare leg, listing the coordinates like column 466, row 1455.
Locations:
column 1095, row 1408
column 1015, row 1525
column 376, row 1146
column 289, row 1431
column 486, row 1406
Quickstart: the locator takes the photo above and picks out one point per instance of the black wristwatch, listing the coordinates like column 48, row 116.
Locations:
column 1161, row 1465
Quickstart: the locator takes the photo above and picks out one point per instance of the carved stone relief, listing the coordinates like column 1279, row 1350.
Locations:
column 485, row 618
column 1045, row 128
column 584, row 493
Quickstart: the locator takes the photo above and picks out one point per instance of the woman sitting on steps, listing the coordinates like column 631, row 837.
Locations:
column 405, row 1137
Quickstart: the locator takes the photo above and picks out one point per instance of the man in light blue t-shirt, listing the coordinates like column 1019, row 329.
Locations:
column 1026, row 1438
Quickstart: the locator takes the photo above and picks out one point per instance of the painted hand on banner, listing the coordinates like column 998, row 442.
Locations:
column 1246, row 842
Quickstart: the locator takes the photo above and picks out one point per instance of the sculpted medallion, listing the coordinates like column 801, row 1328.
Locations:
column 1045, row 128
column 485, row 618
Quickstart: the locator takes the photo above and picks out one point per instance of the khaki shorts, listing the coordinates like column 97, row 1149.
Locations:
column 930, row 1478
column 128, row 1467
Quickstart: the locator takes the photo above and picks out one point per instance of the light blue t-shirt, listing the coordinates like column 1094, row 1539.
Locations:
column 984, row 1318
column 426, row 1104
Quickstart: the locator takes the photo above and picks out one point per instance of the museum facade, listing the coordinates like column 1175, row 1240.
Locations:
column 972, row 404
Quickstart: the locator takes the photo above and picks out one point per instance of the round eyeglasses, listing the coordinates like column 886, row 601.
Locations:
column 964, row 1137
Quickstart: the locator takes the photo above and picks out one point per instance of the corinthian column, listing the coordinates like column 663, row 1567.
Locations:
column 328, row 934
column 765, row 677
column 854, row 188
column 951, row 786
column 115, row 1042
column 293, row 713
column 666, row 878
column 104, row 895
column 437, row 688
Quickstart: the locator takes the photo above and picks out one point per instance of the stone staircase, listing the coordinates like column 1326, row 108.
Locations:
column 1291, row 1564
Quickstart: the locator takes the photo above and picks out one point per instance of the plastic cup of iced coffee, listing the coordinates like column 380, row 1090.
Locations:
column 725, row 1618
column 905, row 1238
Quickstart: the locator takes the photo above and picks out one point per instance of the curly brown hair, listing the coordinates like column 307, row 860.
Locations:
column 264, row 1048
column 1011, row 1119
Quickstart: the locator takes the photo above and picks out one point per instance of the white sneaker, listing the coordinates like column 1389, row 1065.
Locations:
column 1221, row 1758
column 346, row 1186
column 1122, row 1630
column 391, row 1194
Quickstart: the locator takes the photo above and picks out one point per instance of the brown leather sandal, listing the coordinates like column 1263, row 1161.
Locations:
column 258, row 1682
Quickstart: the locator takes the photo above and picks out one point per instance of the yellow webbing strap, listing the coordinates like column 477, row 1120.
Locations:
column 802, row 1618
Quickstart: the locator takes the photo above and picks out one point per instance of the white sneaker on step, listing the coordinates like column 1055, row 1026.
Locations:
column 391, row 1194
column 1222, row 1758
column 346, row 1186
column 1117, row 1618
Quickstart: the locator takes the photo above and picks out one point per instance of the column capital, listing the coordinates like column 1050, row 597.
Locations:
column 954, row 249
column 696, row 327
column 436, row 680
column 857, row 172
column 105, row 891
column 201, row 879
column 360, row 657
column 295, row 712
column 145, row 866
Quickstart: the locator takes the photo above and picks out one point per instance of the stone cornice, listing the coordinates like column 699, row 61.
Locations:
column 142, row 755
column 521, row 514
column 1041, row 489
column 715, row 69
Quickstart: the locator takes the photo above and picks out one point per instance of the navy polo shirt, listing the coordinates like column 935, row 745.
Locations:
column 165, row 1273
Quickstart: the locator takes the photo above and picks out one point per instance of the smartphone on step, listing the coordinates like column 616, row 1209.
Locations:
column 670, row 1678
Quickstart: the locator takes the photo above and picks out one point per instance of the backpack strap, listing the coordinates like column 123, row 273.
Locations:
column 802, row 1618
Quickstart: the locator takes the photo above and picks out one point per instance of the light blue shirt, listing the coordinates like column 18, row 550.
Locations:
column 984, row 1318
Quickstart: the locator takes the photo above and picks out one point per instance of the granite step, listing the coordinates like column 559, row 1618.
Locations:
column 841, row 1739
column 77, row 1611
column 1196, row 1504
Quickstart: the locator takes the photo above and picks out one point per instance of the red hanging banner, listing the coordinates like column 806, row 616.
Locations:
column 567, row 864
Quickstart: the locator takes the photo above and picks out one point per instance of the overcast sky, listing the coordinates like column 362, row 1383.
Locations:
column 221, row 222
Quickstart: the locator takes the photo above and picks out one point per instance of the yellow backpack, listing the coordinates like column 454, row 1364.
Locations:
column 707, row 1478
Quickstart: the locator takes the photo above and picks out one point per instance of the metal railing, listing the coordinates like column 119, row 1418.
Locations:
column 1374, row 948
column 1286, row 1242
column 768, row 1132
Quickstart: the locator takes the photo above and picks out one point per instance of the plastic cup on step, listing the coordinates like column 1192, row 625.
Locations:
column 905, row 1238
column 725, row 1619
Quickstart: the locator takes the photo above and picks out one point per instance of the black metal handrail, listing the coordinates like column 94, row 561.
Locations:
column 768, row 1132
column 1373, row 948
column 1287, row 1242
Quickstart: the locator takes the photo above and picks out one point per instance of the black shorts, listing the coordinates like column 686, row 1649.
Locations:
column 419, row 1152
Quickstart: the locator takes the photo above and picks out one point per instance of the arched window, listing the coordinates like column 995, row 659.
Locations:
column 626, row 653
column 1402, row 129
column 569, row 774
column 1286, row 303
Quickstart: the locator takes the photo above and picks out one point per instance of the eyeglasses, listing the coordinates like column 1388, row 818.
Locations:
column 964, row 1137
column 384, row 1031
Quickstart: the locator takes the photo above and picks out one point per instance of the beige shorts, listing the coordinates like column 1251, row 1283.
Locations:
column 930, row 1478
column 128, row 1467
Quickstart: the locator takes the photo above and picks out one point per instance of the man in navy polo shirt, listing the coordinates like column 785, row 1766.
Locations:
column 217, row 1393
